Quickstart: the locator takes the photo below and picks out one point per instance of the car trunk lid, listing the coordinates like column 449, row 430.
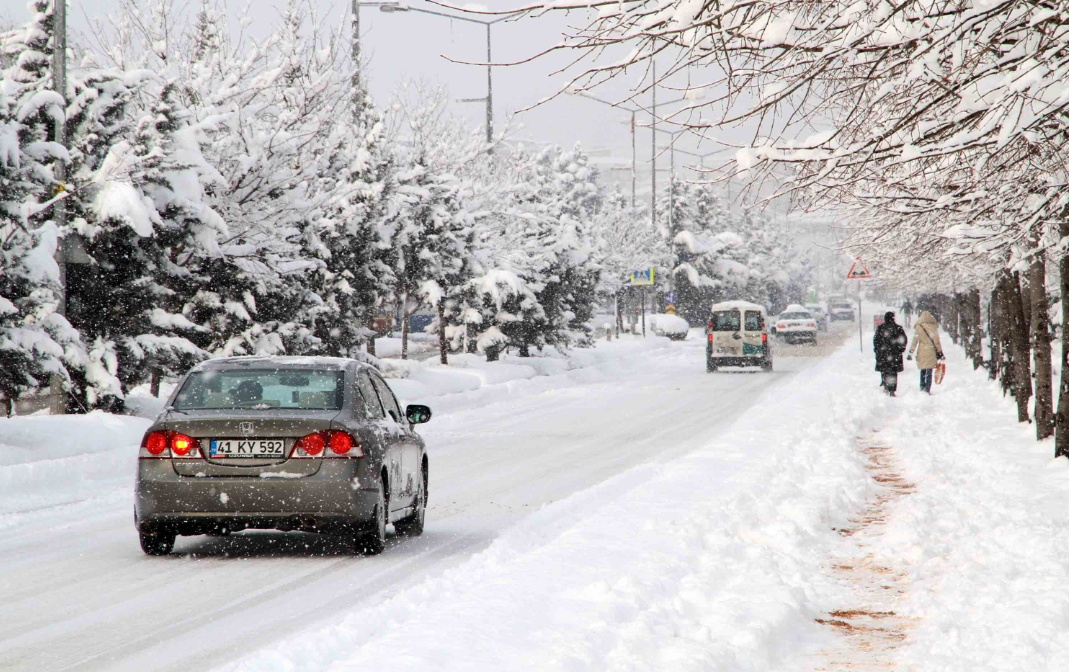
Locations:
column 209, row 425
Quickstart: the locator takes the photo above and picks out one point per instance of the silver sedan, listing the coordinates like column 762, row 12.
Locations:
column 315, row 444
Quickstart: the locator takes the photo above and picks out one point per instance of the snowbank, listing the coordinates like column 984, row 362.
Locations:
column 469, row 380
column 712, row 561
column 53, row 460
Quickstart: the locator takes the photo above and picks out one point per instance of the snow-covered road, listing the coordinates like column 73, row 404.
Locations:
column 76, row 593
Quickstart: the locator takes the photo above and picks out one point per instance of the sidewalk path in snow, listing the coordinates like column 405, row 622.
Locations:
column 869, row 628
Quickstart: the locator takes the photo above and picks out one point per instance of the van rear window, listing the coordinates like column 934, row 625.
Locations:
column 754, row 321
column 727, row 320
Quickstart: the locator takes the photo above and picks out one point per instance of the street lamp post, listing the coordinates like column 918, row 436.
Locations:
column 393, row 7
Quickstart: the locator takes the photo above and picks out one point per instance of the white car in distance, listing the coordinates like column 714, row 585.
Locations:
column 819, row 314
column 796, row 324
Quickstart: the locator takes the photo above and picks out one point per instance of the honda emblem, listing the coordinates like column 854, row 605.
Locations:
column 246, row 428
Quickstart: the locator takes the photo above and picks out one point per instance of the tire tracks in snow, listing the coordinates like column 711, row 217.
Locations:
column 869, row 631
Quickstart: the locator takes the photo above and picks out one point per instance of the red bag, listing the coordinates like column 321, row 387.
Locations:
column 940, row 371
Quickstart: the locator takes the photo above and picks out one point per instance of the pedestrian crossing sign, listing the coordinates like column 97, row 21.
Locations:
column 858, row 271
column 643, row 277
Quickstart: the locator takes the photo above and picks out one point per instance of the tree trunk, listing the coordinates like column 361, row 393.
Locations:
column 1061, row 437
column 1044, row 409
column 1005, row 334
column 154, row 382
column 1022, row 375
column 472, row 346
column 404, row 328
column 443, row 346
column 976, row 317
column 993, row 336
column 950, row 317
column 964, row 323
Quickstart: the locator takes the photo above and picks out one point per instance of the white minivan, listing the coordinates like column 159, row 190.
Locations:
column 738, row 336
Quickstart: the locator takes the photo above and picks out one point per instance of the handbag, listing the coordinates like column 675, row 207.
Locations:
column 940, row 371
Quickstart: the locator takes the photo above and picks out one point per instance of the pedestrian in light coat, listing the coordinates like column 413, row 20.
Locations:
column 929, row 349
column 888, row 344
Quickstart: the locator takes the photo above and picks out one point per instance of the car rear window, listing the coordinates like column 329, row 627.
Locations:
column 754, row 321
column 726, row 320
column 796, row 316
column 262, row 389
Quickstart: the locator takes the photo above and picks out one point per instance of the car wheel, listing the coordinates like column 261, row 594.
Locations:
column 412, row 526
column 156, row 543
column 373, row 539
column 767, row 365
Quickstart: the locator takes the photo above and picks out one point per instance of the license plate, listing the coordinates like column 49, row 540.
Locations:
column 247, row 448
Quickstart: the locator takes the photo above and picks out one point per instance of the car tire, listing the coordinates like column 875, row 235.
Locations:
column 156, row 543
column 412, row 526
column 766, row 366
column 372, row 541
column 710, row 367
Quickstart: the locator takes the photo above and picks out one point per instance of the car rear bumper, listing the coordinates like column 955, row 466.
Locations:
column 333, row 497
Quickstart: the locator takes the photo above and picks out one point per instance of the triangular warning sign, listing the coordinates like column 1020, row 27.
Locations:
column 858, row 271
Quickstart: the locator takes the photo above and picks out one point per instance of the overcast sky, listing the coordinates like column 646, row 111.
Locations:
column 410, row 45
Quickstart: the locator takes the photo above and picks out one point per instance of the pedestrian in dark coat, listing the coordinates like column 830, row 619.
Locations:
column 889, row 344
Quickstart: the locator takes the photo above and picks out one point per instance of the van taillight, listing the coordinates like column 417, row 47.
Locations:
column 764, row 338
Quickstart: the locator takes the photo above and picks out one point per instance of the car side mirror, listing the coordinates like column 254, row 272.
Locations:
column 418, row 414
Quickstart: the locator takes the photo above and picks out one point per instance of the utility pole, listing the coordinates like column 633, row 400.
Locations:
column 356, row 51
column 59, row 85
column 632, row 159
column 653, row 152
column 489, row 91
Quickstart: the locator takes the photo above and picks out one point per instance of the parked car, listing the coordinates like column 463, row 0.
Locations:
column 819, row 314
column 796, row 324
column 672, row 326
column 841, row 309
column 315, row 444
column 738, row 336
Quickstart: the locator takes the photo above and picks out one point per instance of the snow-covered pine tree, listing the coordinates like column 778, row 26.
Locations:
column 35, row 341
column 273, row 109
column 559, row 196
column 150, row 222
column 346, row 235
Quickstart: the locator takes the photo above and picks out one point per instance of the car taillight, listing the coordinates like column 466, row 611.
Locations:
column 764, row 338
column 781, row 325
column 311, row 445
column 182, row 445
column 166, row 443
column 812, row 324
column 341, row 444
column 155, row 444
column 710, row 338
